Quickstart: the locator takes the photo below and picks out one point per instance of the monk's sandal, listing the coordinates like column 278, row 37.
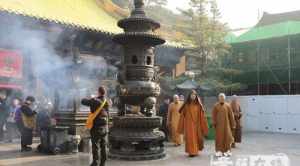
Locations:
column 228, row 154
column 218, row 154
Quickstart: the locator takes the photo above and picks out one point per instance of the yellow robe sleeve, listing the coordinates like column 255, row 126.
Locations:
column 214, row 116
column 180, row 129
column 204, row 124
column 231, row 118
column 169, row 117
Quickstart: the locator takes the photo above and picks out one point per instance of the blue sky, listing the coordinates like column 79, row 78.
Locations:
column 245, row 13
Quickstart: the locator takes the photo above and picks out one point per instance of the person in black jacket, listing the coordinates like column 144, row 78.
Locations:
column 4, row 113
column 26, row 126
column 99, row 130
column 163, row 112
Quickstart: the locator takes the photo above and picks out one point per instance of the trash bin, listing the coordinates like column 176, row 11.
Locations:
column 54, row 140
column 211, row 130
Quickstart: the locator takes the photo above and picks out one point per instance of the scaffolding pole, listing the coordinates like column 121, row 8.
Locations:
column 289, row 63
column 258, row 67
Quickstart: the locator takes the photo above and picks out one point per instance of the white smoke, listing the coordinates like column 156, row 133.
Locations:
column 51, row 71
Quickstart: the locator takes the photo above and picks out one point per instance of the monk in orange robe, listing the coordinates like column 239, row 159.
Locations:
column 224, row 123
column 237, row 112
column 173, row 120
column 193, row 124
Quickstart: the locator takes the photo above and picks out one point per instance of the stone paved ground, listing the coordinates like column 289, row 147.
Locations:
column 253, row 144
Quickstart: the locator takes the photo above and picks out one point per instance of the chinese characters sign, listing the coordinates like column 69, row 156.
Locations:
column 254, row 160
column 10, row 64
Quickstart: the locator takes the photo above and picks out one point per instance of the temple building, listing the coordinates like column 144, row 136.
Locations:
column 61, row 50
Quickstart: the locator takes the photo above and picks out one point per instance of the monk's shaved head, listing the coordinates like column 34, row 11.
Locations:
column 175, row 96
column 222, row 97
column 234, row 97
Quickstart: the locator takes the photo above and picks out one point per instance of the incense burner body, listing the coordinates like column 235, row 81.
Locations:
column 135, row 136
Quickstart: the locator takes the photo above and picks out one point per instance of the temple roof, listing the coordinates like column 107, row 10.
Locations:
column 270, row 32
column 271, row 26
column 268, row 19
column 85, row 14
column 230, row 38
column 94, row 15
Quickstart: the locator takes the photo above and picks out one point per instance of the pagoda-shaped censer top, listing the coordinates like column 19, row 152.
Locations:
column 137, row 78
column 138, row 28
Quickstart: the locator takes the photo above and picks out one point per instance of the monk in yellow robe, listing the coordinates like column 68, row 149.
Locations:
column 173, row 120
column 224, row 123
column 193, row 124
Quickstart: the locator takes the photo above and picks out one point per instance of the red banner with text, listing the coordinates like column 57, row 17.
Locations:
column 10, row 64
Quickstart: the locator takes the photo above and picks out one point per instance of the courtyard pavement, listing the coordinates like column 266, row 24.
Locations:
column 253, row 144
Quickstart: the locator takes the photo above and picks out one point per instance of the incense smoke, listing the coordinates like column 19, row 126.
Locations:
column 46, row 72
